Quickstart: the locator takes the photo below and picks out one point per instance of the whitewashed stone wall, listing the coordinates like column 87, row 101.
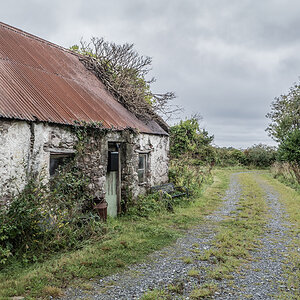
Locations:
column 157, row 149
column 25, row 148
column 14, row 153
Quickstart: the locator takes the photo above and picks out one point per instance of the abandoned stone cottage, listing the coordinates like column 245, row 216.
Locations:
column 44, row 91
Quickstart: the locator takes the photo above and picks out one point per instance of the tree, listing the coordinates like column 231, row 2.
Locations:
column 285, row 127
column 285, row 114
column 123, row 71
column 188, row 138
column 289, row 151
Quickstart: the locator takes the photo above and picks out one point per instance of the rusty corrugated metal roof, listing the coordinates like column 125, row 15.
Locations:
column 45, row 82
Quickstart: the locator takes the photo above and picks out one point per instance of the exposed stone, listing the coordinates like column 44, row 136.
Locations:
column 25, row 148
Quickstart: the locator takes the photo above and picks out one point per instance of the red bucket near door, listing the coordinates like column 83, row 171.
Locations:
column 101, row 210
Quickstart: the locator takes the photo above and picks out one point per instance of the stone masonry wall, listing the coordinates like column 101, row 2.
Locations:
column 25, row 148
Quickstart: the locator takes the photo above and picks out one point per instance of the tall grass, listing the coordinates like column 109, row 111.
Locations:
column 284, row 172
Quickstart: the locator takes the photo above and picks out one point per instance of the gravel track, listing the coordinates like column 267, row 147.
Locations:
column 260, row 279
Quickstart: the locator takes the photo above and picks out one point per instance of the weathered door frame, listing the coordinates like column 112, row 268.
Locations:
column 115, row 146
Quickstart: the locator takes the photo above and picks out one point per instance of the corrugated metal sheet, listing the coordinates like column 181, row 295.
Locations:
column 42, row 81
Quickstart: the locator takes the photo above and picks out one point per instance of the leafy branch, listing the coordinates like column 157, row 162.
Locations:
column 123, row 72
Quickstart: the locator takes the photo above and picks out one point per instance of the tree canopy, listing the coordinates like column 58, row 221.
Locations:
column 289, row 149
column 285, row 127
column 285, row 114
column 188, row 138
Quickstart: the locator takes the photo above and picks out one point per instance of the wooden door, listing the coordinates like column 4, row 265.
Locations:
column 111, row 195
column 113, row 180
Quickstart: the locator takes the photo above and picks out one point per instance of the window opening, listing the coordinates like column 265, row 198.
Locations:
column 59, row 160
column 142, row 168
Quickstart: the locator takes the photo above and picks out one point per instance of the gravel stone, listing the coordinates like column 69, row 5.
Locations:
column 260, row 278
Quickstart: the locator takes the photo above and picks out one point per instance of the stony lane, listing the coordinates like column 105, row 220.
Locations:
column 259, row 279
column 262, row 278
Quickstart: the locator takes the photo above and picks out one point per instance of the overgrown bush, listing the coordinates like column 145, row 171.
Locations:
column 22, row 224
column 188, row 139
column 46, row 218
column 189, row 173
column 148, row 205
column 260, row 155
column 225, row 157
column 184, row 172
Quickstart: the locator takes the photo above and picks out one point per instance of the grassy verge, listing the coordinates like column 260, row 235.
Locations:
column 127, row 241
column 285, row 174
column 291, row 201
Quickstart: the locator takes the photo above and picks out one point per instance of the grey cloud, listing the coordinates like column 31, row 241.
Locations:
column 224, row 59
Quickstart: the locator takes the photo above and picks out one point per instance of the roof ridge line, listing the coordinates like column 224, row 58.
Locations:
column 37, row 38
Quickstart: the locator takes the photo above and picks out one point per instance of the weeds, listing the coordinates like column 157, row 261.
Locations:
column 176, row 287
column 187, row 259
column 193, row 273
column 189, row 173
column 41, row 221
column 285, row 174
column 156, row 295
column 204, row 291
column 126, row 241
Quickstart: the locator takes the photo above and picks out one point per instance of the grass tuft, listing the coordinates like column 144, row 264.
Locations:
column 52, row 291
column 204, row 291
column 193, row 273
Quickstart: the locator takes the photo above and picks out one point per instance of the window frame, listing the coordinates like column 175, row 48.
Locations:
column 65, row 157
column 142, row 179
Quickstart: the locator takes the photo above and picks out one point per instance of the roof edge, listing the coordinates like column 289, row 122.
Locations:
column 6, row 118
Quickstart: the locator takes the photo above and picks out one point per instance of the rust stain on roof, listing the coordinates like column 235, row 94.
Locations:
column 45, row 82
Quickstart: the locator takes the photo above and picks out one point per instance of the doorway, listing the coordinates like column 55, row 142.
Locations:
column 113, row 180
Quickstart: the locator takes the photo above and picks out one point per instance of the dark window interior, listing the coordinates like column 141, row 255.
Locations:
column 59, row 160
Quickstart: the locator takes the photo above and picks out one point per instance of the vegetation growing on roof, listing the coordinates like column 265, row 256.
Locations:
column 123, row 71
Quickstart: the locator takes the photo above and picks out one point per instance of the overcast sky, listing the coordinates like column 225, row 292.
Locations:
column 224, row 59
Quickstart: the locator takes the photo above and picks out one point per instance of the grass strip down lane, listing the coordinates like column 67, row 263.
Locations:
column 238, row 234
